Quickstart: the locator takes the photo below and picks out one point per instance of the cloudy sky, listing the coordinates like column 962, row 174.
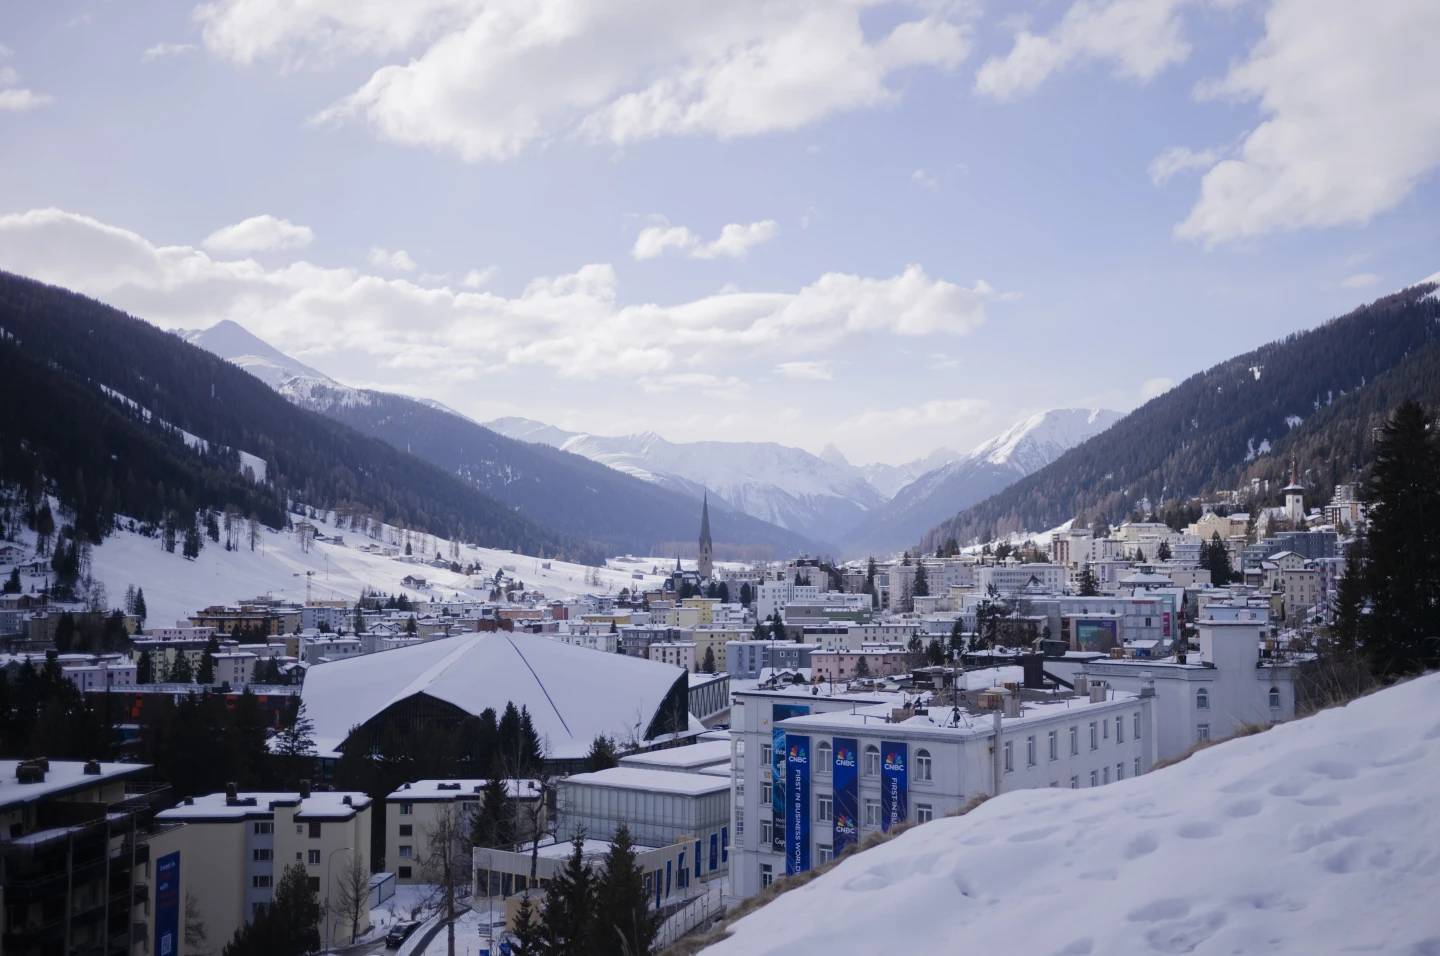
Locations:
column 890, row 226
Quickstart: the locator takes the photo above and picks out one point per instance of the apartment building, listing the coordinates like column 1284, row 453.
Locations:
column 246, row 840
column 813, row 774
column 412, row 812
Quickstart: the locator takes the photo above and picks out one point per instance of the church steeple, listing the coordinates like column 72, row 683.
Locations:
column 707, row 556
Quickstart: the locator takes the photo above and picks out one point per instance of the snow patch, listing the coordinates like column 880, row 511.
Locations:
column 254, row 465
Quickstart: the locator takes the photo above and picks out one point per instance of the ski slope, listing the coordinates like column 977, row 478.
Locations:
column 1318, row 836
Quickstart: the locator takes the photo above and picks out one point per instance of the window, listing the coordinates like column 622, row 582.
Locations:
column 872, row 760
column 767, row 754
column 1094, row 736
column 767, row 875
column 1120, row 771
column 823, row 757
column 1074, row 741
column 407, row 829
column 767, row 833
column 406, row 808
column 1030, row 751
column 1105, row 729
column 766, row 794
column 922, row 765
column 825, row 853
column 1202, row 731
column 264, row 827
column 1137, row 766
column 1119, row 730
column 1094, row 778
column 739, row 787
column 407, row 852
column 260, row 856
column 1137, row 725
column 1274, row 698
column 924, row 813
column 1074, row 783
column 260, row 882
column 314, row 882
column 825, row 812
column 313, row 858
column 404, row 872
column 1009, row 755
column 872, row 812
column 1106, row 778
column 1054, row 745
column 314, row 829
column 1202, row 699
column 739, row 822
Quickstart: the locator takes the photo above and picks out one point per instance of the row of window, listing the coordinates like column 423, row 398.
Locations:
column 1099, row 730
column 922, row 765
column 825, row 813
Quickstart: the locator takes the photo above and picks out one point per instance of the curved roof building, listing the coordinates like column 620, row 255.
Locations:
column 572, row 693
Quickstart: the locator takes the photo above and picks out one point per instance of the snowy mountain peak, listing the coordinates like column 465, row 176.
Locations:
column 1036, row 441
column 834, row 456
column 237, row 345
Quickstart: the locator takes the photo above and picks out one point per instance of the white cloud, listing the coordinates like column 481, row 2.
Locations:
column 806, row 371
column 1139, row 38
column 13, row 97
column 1351, row 124
column 1179, row 159
column 735, row 240
column 161, row 51
column 1360, row 280
column 486, row 80
column 940, row 411
column 573, row 324
column 1154, row 387
column 924, row 180
column 479, row 278
column 263, row 233
column 397, row 260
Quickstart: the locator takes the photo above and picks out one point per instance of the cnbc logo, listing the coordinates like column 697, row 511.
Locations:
column 844, row 824
column 844, row 758
column 796, row 754
column 894, row 762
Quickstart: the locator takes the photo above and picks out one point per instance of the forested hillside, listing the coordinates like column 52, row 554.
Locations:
column 98, row 405
column 581, row 497
column 1315, row 394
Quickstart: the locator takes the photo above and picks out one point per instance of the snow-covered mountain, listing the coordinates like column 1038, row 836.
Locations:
column 889, row 479
column 234, row 343
column 808, row 494
column 990, row 467
column 1316, row 836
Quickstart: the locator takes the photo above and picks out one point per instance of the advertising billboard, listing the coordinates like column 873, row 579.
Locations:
column 797, row 798
column 1095, row 635
column 894, row 783
column 167, row 904
column 778, row 713
column 845, row 775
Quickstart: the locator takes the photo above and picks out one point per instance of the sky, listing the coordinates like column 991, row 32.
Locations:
column 883, row 226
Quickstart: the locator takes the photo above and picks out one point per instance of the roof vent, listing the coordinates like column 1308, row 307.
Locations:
column 29, row 771
column 304, row 789
column 92, row 768
column 447, row 786
column 346, row 800
column 231, row 792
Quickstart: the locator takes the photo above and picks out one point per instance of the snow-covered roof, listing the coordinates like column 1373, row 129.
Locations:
column 421, row 790
column 62, row 777
column 572, row 693
column 682, row 758
column 320, row 805
column 649, row 780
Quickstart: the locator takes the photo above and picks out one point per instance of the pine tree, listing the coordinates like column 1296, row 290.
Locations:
column 708, row 664
column 934, row 654
column 289, row 926
column 531, row 756
column 525, row 929
column 1401, row 634
column 568, row 922
column 862, row 667
column 1163, row 552
column 140, row 606
column 1087, row 584
column 624, row 922
column 205, row 673
column 145, row 668
column 921, row 585
column 602, row 755
column 12, row 583
column 1351, row 597
column 295, row 747
column 492, row 824
column 180, row 670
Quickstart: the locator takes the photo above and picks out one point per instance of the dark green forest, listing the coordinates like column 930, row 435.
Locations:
column 1341, row 379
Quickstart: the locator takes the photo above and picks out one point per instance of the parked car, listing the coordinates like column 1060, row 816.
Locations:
column 400, row 932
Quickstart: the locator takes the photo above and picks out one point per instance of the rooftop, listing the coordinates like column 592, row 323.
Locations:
column 650, row 780
column 458, row 789
column 64, row 776
column 320, row 805
column 682, row 758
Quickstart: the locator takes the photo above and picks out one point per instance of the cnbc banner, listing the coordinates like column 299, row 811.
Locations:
column 894, row 784
column 778, row 713
column 167, row 904
column 847, row 802
column 797, row 798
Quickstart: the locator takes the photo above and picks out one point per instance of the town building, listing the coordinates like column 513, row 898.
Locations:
column 413, row 812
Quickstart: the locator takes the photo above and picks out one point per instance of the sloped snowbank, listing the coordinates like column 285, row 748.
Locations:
column 1319, row 836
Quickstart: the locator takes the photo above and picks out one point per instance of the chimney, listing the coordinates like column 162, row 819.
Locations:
column 232, row 795
column 304, row 789
column 1082, row 683
column 346, row 800
column 1097, row 692
column 92, row 768
column 1012, row 704
column 1147, row 684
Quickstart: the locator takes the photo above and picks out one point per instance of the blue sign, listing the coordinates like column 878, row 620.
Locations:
column 779, row 712
column 847, row 801
column 797, row 797
column 167, row 904
column 894, row 783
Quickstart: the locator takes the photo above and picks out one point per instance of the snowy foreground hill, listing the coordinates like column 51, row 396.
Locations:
column 1318, row 836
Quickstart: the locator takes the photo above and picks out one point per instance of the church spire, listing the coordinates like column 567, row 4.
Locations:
column 707, row 548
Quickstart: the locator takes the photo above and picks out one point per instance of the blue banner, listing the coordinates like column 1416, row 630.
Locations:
column 167, row 904
column 894, row 783
column 797, row 797
column 777, row 788
column 847, row 802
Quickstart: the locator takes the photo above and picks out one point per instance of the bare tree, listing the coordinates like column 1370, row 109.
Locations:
column 446, row 863
column 254, row 530
column 352, row 894
column 196, row 938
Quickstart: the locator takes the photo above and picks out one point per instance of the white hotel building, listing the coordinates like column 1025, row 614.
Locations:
column 941, row 759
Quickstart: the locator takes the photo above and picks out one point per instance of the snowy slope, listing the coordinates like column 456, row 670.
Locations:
column 176, row 586
column 889, row 479
column 990, row 467
column 786, row 486
column 1318, row 836
column 234, row 343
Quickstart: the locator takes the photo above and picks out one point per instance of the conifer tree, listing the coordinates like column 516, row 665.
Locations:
column 525, row 930
column 205, row 673
column 602, row 755
column 493, row 822
column 568, row 923
column 708, row 664
column 180, row 670
column 624, row 922
column 140, row 606
column 145, row 668
column 1087, row 584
